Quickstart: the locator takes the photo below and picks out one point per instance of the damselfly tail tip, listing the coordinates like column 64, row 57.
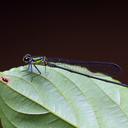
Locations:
column 118, row 68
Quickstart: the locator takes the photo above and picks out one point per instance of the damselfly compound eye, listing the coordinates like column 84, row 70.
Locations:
column 27, row 58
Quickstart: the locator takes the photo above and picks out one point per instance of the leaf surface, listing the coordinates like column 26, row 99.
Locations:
column 61, row 99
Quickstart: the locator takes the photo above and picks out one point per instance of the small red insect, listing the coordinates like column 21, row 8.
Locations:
column 4, row 79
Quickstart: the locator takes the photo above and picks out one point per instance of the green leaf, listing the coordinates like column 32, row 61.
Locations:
column 61, row 99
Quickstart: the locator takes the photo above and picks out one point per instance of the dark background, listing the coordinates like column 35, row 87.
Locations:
column 81, row 31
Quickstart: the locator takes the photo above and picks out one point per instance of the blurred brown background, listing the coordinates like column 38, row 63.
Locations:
column 81, row 31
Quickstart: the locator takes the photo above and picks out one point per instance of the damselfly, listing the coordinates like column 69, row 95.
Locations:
column 52, row 62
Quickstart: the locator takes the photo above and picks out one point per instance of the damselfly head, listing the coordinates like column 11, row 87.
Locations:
column 27, row 58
